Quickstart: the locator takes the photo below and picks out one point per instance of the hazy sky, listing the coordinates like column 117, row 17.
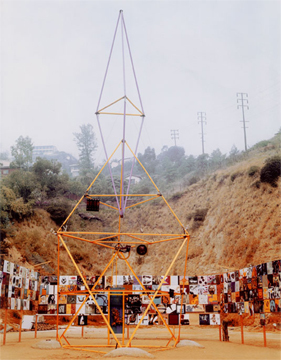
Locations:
column 189, row 56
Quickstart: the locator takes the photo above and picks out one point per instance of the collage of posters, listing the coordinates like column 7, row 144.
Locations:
column 19, row 287
column 255, row 289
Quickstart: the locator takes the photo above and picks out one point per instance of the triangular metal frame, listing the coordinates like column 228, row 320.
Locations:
column 138, row 239
column 115, row 113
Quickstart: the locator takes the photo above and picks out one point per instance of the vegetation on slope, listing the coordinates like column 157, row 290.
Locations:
column 232, row 215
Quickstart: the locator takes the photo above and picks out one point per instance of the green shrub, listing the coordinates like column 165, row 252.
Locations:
column 261, row 144
column 176, row 196
column 59, row 211
column 271, row 170
column 234, row 176
column 253, row 170
column 200, row 214
column 193, row 180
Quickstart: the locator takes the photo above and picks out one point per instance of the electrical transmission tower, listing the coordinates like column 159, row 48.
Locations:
column 243, row 104
column 201, row 116
column 175, row 136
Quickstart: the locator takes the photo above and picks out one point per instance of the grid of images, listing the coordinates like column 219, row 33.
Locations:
column 255, row 289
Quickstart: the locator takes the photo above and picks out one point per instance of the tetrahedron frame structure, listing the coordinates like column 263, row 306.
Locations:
column 118, row 239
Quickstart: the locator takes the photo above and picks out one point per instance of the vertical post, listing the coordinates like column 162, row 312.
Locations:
column 21, row 316
column 58, row 292
column 5, row 327
column 242, row 333
column 220, row 331
column 123, row 310
column 108, row 310
column 35, row 332
column 264, row 336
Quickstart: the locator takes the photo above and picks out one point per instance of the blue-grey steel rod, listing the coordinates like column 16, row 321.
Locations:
column 124, row 118
column 109, row 167
column 109, row 60
column 133, row 164
column 132, row 63
column 137, row 86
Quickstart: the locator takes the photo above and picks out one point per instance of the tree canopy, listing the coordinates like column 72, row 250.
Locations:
column 86, row 143
column 22, row 153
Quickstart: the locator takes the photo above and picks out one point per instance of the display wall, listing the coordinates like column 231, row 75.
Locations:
column 250, row 290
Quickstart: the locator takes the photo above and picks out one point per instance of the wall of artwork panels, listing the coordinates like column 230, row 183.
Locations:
column 255, row 289
column 19, row 287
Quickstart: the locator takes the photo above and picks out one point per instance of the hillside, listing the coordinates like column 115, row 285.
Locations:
column 233, row 220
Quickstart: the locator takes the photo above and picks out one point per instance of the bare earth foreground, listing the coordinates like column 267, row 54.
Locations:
column 208, row 337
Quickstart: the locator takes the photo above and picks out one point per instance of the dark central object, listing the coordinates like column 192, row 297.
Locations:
column 93, row 205
column 141, row 249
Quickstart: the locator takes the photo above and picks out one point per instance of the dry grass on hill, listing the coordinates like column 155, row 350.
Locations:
column 233, row 220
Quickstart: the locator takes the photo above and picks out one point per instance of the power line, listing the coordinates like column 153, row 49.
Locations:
column 244, row 103
column 175, row 135
column 201, row 116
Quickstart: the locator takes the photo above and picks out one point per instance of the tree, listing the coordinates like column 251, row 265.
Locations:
column 148, row 160
column 86, row 143
column 202, row 164
column 23, row 183
column 233, row 154
column 4, row 155
column 47, row 173
column 217, row 159
column 22, row 153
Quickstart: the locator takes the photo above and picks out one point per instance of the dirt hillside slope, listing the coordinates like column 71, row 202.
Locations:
column 233, row 220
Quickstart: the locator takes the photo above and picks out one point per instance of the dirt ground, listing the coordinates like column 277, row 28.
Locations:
column 206, row 336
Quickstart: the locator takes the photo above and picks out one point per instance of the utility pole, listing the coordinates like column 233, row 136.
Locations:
column 175, row 136
column 201, row 116
column 243, row 104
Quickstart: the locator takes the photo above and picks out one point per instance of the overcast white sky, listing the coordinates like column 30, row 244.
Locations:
column 189, row 56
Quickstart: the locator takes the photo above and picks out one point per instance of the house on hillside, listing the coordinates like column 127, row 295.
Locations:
column 5, row 169
column 41, row 151
column 74, row 170
column 134, row 179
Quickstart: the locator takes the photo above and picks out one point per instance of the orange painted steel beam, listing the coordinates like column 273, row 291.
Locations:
column 96, row 283
column 123, row 313
column 78, row 203
column 83, row 292
column 175, row 215
column 65, row 233
column 108, row 316
column 99, row 239
column 58, row 279
column 155, row 307
column 134, row 237
column 114, row 102
column 66, row 340
column 156, row 188
column 78, row 348
column 112, row 207
column 142, row 202
column 103, row 167
column 176, row 238
column 109, row 113
column 123, row 242
column 143, row 168
column 113, row 195
column 90, row 241
column 156, row 292
column 134, row 106
column 86, row 285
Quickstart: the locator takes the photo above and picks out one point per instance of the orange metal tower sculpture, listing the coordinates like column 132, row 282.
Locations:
column 118, row 240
